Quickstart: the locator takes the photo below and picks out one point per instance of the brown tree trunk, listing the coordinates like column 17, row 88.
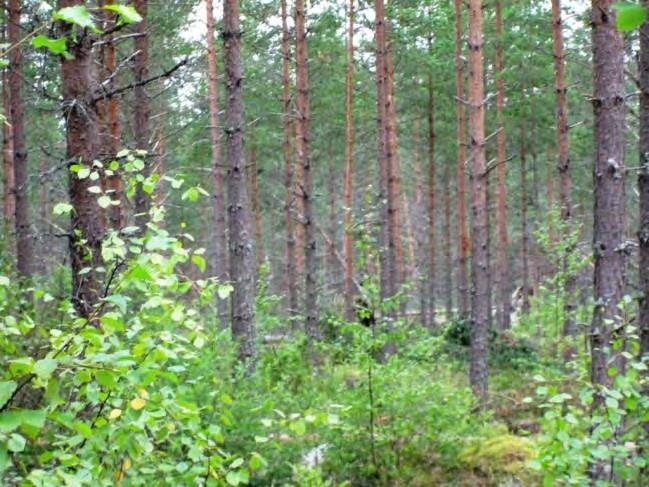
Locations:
column 289, row 204
column 432, row 247
column 386, row 259
column 88, row 222
column 218, row 205
column 255, row 202
column 24, row 248
column 479, row 221
column 448, row 253
column 9, row 182
column 643, row 188
column 348, row 201
column 501, row 275
column 421, row 233
column 304, row 159
column 610, row 245
column 142, row 110
column 525, row 232
column 463, row 239
column 563, row 151
column 242, row 263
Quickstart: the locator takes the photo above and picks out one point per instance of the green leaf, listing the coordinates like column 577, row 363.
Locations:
column 62, row 209
column 224, row 291
column 4, row 281
column 44, row 368
column 200, row 262
column 127, row 13
column 16, row 443
column 104, row 201
column 6, row 390
column 118, row 300
column 55, row 46
column 3, row 64
column 77, row 15
column 4, row 459
column 83, row 172
column 257, row 462
column 630, row 16
column 140, row 273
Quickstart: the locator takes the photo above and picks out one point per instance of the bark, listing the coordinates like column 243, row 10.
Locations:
column 348, row 201
column 563, row 152
column 332, row 268
column 501, row 274
column 218, row 205
column 525, row 232
column 82, row 140
column 448, row 253
column 610, row 226
column 421, row 233
column 386, row 259
column 463, row 239
column 479, row 222
column 255, row 202
column 242, row 264
column 9, row 181
column 289, row 204
column 24, row 247
column 304, row 160
column 643, row 189
column 430, row 315
column 142, row 110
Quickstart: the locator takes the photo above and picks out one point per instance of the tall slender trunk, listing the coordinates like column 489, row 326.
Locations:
column 525, row 232
column 479, row 221
column 218, row 205
column 9, row 181
column 255, row 202
column 432, row 247
column 142, row 109
column 420, row 210
column 502, row 277
column 563, row 152
column 610, row 244
column 448, row 253
column 80, row 114
column 463, row 238
column 332, row 264
column 304, row 159
column 643, row 189
column 289, row 204
column 348, row 201
column 408, row 209
column 242, row 262
column 385, row 257
column 24, row 248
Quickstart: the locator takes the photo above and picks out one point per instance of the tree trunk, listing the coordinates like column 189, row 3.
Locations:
column 563, row 151
column 242, row 263
column 421, row 233
column 463, row 239
column 448, row 253
column 525, row 233
column 255, row 202
column 289, row 204
column 479, row 221
column 348, row 201
column 142, row 110
column 218, row 205
column 304, row 159
column 9, row 181
column 502, row 277
column 610, row 245
column 643, row 188
column 386, row 260
column 432, row 247
column 88, row 222
column 25, row 253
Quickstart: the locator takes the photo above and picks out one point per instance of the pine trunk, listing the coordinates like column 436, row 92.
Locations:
column 218, row 205
column 9, row 181
column 242, row 263
column 304, row 160
column 24, row 248
column 525, row 233
column 432, row 247
column 479, row 221
column 348, row 201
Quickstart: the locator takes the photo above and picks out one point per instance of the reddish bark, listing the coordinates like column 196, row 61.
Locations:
column 242, row 265
column 525, row 233
column 9, row 182
column 24, row 247
column 480, row 311
column 501, row 274
column 348, row 239
column 304, row 160
column 430, row 315
column 463, row 238
column 291, row 270
column 218, row 205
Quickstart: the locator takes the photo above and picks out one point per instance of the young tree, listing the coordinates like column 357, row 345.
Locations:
column 643, row 188
column 24, row 249
column 432, row 247
column 463, row 239
column 220, row 237
column 480, row 311
column 289, row 204
column 141, row 108
column 304, row 160
column 502, row 277
column 242, row 263
column 349, row 169
column 80, row 114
